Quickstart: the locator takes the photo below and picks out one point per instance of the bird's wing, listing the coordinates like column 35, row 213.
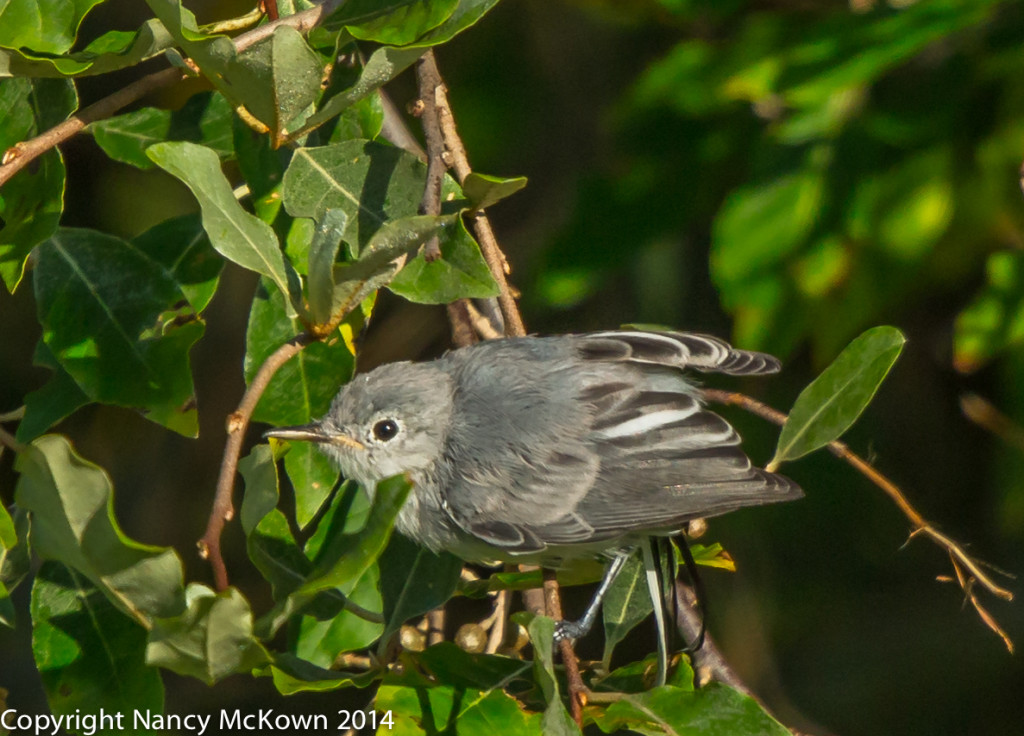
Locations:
column 632, row 451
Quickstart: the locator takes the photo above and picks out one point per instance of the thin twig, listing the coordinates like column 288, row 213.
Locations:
column 481, row 226
column 919, row 524
column 553, row 608
column 7, row 440
column 426, row 108
column 480, row 323
column 497, row 621
column 435, row 626
column 21, row 154
column 13, row 415
column 988, row 417
column 238, row 422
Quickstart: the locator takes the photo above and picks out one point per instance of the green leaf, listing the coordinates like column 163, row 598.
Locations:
column 483, row 191
column 370, row 182
column 211, row 640
column 278, row 78
column 72, row 508
column 414, row 580
column 384, row 64
column 313, row 477
column 31, row 202
column 556, row 720
column 15, row 560
column 263, row 168
column 302, row 389
column 640, row 676
column 89, row 656
column 364, row 118
column 323, row 251
column 56, row 399
column 671, row 710
column 449, row 664
column 437, row 710
column 42, row 25
column 206, row 118
column 760, row 225
column 345, row 558
column 120, row 345
column 112, row 51
column 627, row 603
column 236, row 234
column 834, row 400
column 329, row 627
column 712, row 555
column 396, row 22
column 182, row 247
column 994, row 321
column 465, row 15
column 293, row 675
column 269, row 539
column 460, row 273
column 332, row 625
column 213, row 53
column 377, row 265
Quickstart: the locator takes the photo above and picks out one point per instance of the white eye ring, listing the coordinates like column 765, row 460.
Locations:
column 385, row 430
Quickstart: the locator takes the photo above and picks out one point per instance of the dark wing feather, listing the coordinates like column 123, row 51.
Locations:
column 676, row 350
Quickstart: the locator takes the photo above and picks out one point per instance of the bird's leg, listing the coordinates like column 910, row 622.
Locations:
column 580, row 628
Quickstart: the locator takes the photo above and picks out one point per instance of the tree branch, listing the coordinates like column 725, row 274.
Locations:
column 481, row 225
column 223, row 509
column 553, row 608
column 23, row 153
column 968, row 570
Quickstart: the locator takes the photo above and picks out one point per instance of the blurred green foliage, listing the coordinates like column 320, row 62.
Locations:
column 848, row 164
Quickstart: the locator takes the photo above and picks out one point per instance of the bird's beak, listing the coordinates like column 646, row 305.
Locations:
column 315, row 432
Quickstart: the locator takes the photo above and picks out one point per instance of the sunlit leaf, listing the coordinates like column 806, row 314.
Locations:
column 42, row 25
column 71, row 504
column 833, row 401
column 269, row 540
column 183, row 248
column 394, row 22
column 236, row 234
column 278, row 78
column 414, row 580
column 994, row 321
column 670, row 710
column 460, row 273
column 302, row 388
column 205, row 118
column 111, row 51
column 89, row 655
column 212, row 639
column 32, row 201
column 483, row 190
column 122, row 346
column 627, row 603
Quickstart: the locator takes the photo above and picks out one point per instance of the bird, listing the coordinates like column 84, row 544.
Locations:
column 545, row 449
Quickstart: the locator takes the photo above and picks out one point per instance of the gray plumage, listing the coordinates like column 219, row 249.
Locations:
column 538, row 448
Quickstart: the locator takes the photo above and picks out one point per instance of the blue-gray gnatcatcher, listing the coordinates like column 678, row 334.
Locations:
column 537, row 449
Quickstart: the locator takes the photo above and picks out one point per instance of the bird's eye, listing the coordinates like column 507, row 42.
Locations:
column 385, row 429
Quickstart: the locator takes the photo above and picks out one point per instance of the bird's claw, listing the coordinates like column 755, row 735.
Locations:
column 568, row 630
